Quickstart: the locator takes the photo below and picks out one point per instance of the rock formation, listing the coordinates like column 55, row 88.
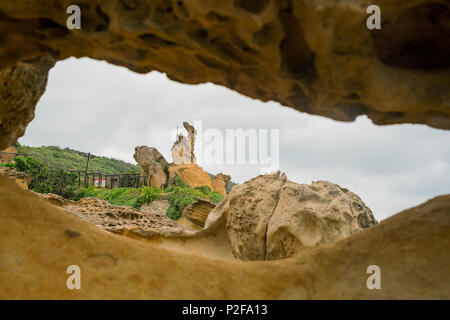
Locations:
column 314, row 56
column 120, row 219
column 191, row 174
column 198, row 212
column 181, row 151
column 21, row 178
column 38, row 241
column 157, row 206
column 183, row 147
column 22, row 85
column 152, row 164
column 270, row 217
column 219, row 183
column 8, row 154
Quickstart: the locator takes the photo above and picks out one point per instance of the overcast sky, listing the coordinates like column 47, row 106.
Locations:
column 107, row 110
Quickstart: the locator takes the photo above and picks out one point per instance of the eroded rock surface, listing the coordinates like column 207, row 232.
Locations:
column 314, row 56
column 21, row 178
column 183, row 148
column 120, row 219
column 21, row 86
column 157, row 206
column 8, row 154
column 219, row 183
column 191, row 174
column 152, row 164
column 198, row 212
column 270, row 217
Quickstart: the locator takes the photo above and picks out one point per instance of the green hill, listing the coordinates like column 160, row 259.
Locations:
column 69, row 159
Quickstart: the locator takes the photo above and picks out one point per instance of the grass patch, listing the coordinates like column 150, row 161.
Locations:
column 131, row 197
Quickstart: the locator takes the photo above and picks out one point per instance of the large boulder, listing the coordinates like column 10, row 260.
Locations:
column 270, row 217
column 152, row 164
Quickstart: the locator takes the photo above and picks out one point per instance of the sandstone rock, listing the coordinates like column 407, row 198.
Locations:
column 8, row 154
column 157, row 207
column 21, row 178
column 219, row 183
column 198, row 211
column 181, row 151
column 152, row 164
column 313, row 215
column 270, row 217
column 120, row 219
column 54, row 199
column 38, row 241
column 191, row 174
column 187, row 223
column 22, row 84
column 314, row 56
column 183, row 148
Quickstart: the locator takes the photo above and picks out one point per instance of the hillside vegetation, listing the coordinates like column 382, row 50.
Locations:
column 69, row 159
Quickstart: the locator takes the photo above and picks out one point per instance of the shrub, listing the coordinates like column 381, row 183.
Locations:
column 45, row 179
column 173, row 213
column 204, row 189
column 180, row 197
column 148, row 194
column 215, row 196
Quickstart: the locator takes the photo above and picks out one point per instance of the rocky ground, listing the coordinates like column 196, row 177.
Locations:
column 39, row 240
column 121, row 219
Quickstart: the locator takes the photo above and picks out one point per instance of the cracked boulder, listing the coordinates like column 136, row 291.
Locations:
column 314, row 56
column 270, row 217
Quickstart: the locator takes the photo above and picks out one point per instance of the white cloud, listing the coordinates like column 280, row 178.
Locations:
column 108, row 110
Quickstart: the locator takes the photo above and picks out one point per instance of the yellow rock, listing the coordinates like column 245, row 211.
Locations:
column 191, row 174
column 219, row 183
column 21, row 178
column 8, row 155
